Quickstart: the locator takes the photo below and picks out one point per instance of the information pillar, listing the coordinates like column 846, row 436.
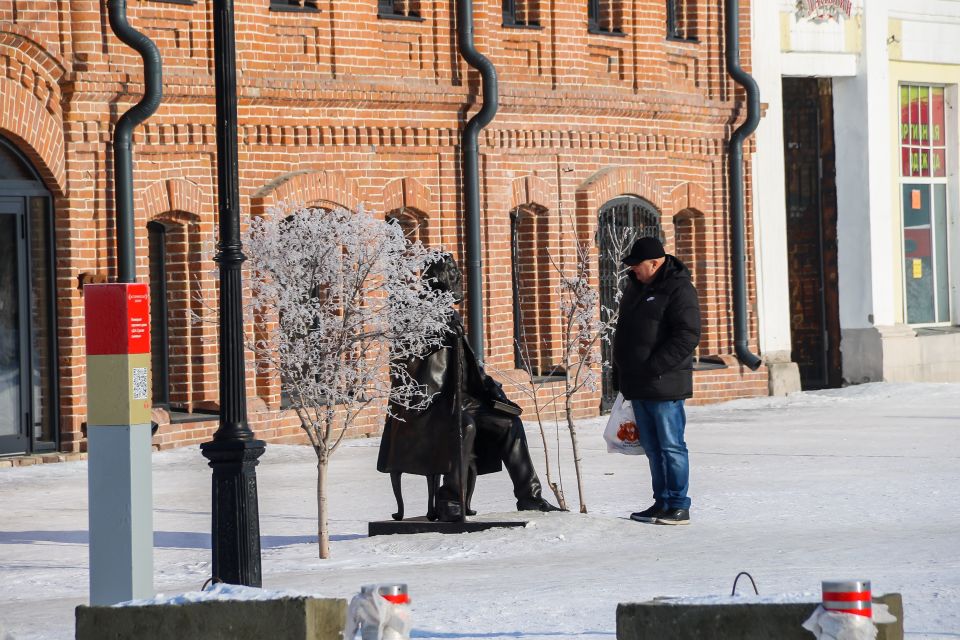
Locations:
column 119, row 483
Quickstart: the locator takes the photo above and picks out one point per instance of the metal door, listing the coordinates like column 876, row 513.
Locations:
column 812, row 230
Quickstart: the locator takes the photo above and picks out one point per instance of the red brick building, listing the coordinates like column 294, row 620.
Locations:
column 349, row 103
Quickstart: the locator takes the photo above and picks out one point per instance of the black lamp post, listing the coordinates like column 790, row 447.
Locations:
column 233, row 453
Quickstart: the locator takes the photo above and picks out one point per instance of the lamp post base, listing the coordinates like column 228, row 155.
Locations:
column 236, row 517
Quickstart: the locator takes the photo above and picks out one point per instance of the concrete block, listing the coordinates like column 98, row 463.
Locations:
column 299, row 618
column 784, row 378
column 666, row 620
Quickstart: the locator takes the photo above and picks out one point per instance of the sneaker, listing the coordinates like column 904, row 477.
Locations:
column 649, row 514
column 674, row 516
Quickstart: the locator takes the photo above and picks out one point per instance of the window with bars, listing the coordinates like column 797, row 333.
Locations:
column 682, row 20
column 412, row 221
column 521, row 13
column 924, row 184
column 634, row 217
column 399, row 9
column 294, row 5
column 605, row 16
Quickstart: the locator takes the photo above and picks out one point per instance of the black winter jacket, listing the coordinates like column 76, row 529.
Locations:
column 656, row 334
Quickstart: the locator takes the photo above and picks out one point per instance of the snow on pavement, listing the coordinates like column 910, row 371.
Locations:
column 854, row 483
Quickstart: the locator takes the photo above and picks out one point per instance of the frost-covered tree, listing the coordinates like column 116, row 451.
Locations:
column 342, row 302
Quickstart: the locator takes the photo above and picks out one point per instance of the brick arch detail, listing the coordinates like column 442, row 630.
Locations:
column 161, row 198
column 30, row 113
column 408, row 193
column 308, row 188
column 529, row 190
column 687, row 196
column 606, row 184
column 19, row 43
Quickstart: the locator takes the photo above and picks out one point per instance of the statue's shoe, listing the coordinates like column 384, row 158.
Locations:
column 448, row 511
column 535, row 504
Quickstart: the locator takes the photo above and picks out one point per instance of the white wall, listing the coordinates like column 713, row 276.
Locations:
column 865, row 224
column 769, row 203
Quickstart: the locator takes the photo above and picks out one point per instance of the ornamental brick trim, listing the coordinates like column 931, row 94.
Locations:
column 17, row 42
column 39, row 135
column 688, row 195
column 527, row 190
column 408, row 193
column 163, row 197
column 308, row 188
column 606, row 184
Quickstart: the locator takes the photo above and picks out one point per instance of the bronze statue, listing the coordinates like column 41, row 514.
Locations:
column 470, row 428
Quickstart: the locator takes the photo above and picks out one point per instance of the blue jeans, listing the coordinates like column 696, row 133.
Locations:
column 660, row 425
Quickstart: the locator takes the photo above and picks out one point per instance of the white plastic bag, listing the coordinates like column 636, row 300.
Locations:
column 830, row 625
column 621, row 430
column 375, row 618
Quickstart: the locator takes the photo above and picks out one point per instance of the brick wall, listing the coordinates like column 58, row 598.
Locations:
column 340, row 107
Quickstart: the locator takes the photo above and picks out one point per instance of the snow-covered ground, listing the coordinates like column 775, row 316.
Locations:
column 857, row 483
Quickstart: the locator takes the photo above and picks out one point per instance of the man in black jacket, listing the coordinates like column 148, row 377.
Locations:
column 657, row 331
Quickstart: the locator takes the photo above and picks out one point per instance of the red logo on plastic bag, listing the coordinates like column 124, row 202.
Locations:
column 628, row 432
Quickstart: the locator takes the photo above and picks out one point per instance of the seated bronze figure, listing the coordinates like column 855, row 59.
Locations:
column 429, row 442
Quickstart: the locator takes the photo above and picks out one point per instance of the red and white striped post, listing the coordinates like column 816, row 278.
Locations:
column 848, row 596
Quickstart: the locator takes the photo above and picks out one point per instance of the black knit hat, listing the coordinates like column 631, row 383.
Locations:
column 643, row 249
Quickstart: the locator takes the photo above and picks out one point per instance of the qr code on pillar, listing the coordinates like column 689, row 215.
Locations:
column 139, row 383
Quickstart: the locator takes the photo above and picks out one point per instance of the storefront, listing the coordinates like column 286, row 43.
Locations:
column 879, row 303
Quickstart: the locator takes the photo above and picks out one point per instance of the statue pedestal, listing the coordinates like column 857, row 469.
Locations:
column 422, row 525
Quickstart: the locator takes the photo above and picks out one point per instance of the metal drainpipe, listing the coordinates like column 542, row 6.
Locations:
column 471, row 171
column 123, row 135
column 735, row 156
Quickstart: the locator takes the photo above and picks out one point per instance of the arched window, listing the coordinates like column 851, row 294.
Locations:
column 535, row 321
column 639, row 218
column 412, row 221
column 690, row 243
column 174, row 259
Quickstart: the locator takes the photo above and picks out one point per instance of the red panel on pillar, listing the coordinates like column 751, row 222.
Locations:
column 117, row 318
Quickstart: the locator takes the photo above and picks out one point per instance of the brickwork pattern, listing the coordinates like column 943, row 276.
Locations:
column 341, row 107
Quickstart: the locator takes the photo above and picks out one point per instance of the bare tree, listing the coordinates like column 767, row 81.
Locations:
column 344, row 306
column 535, row 381
column 585, row 323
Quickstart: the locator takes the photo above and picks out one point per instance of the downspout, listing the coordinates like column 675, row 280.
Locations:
column 123, row 135
column 471, row 171
column 735, row 157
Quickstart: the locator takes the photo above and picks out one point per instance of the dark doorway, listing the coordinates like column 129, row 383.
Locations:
column 28, row 373
column 810, row 161
column 640, row 218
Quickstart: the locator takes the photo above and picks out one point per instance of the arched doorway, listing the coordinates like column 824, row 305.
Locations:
column 622, row 214
column 28, row 362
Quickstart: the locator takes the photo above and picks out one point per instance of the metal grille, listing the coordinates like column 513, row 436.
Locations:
column 639, row 218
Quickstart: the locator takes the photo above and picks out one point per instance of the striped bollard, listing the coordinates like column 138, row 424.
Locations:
column 848, row 596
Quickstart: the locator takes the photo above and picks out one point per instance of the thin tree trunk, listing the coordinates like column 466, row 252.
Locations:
column 323, row 532
column 568, row 406
column 554, row 487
